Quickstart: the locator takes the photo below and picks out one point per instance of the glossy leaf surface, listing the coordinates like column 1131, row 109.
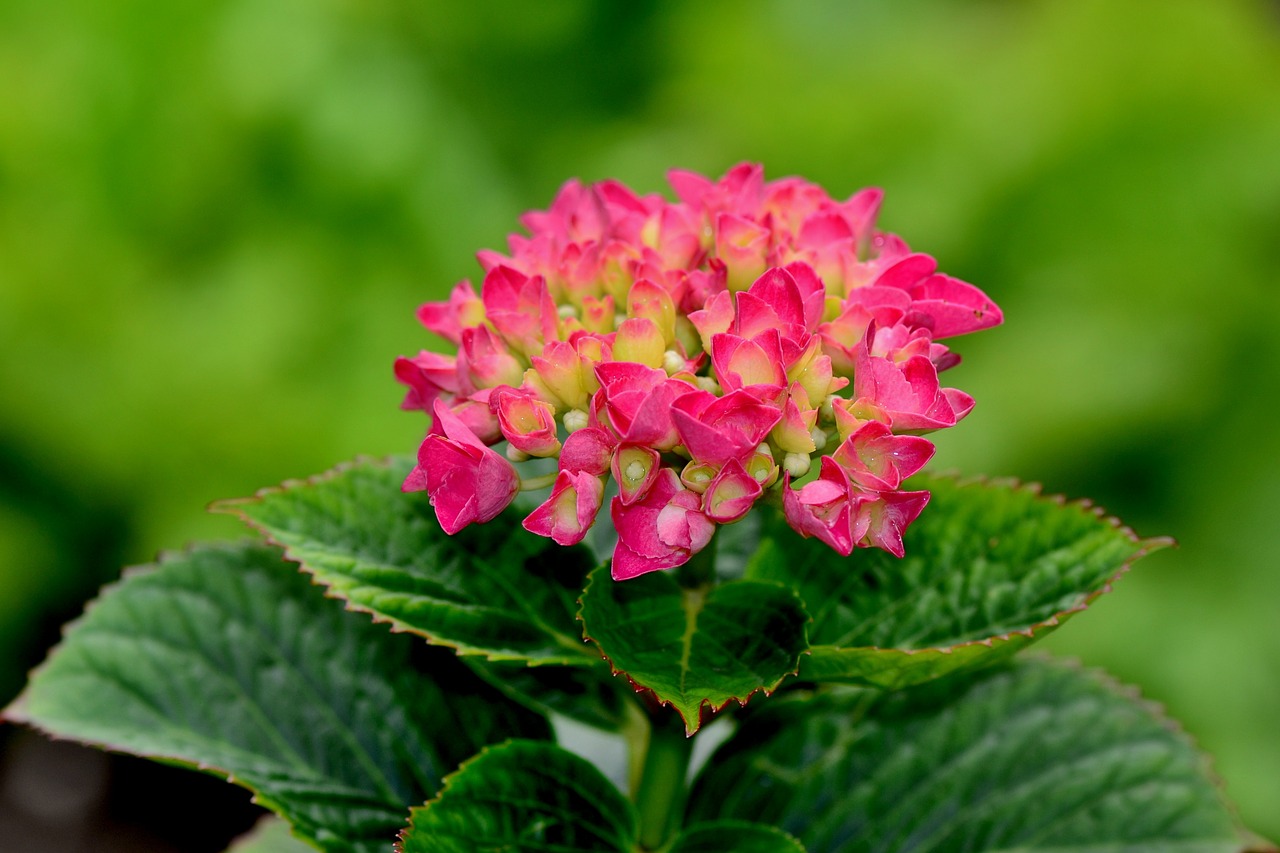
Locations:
column 989, row 568
column 524, row 797
column 491, row 589
column 738, row 836
column 696, row 648
column 226, row 658
column 1034, row 757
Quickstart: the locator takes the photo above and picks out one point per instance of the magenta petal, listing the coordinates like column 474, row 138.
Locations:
column 467, row 481
column 416, row 481
column 589, row 449
column 731, row 494
column 454, row 427
column 568, row 514
column 907, row 272
column 454, row 499
column 496, row 487
column 951, row 307
column 777, row 288
column 889, row 517
column 861, row 210
column 661, row 531
column 651, row 423
column 628, row 564
column 960, row 402
column 823, row 228
column 813, row 293
column 824, row 508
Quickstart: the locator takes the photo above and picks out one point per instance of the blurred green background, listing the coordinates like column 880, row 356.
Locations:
column 217, row 218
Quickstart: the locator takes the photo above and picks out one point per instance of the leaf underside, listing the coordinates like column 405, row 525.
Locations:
column 695, row 648
column 491, row 589
column 1036, row 756
column 228, row 659
column 989, row 568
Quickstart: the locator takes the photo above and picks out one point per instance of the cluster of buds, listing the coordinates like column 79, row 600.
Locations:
column 703, row 354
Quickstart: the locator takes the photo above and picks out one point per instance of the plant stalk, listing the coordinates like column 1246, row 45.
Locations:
column 660, row 796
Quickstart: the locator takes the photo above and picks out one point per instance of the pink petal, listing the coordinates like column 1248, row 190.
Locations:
column 587, row 450
column 569, row 512
column 907, row 272
column 947, row 307
column 731, row 494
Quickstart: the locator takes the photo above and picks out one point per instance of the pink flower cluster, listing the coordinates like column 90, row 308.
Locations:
column 701, row 353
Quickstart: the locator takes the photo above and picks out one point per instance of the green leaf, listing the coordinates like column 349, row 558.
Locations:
column 738, row 836
column 989, row 569
column 226, row 658
column 1037, row 756
column 523, row 797
column 695, row 647
column 589, row 695
column 270, row 835
column 493, row 589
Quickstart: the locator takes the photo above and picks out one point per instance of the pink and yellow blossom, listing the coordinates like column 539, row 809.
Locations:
column 749, row 341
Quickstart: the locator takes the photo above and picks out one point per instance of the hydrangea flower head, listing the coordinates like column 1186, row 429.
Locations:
column 751, row 340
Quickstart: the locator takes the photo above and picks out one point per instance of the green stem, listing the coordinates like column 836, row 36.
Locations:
column 540, row 482
column 660, row 795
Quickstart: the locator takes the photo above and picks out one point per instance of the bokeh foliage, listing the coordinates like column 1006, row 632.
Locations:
column 217, row 217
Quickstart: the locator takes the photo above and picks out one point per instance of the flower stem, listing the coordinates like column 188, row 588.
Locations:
column 660, row 796
column 540, row 482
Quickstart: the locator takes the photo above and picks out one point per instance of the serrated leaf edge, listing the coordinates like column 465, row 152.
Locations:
column 1147, row 546
column 232, row 507
column 1251, row 842
column 447, row 782
column 14, row 713
column 705, row 707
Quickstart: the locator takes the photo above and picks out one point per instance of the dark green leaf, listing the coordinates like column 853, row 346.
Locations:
column 699, row 647
column 738, row 836
column 589, row 695
column 1033, row 757
column 524, row 797
column 493, row 589
column 989, row 568
column 227, row 658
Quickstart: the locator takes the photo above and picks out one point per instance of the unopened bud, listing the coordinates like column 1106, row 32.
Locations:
column 673, row 362
column 515, row 454
column 574, row 420
column 819, row 437
column 796, row 464
column 826, row 411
